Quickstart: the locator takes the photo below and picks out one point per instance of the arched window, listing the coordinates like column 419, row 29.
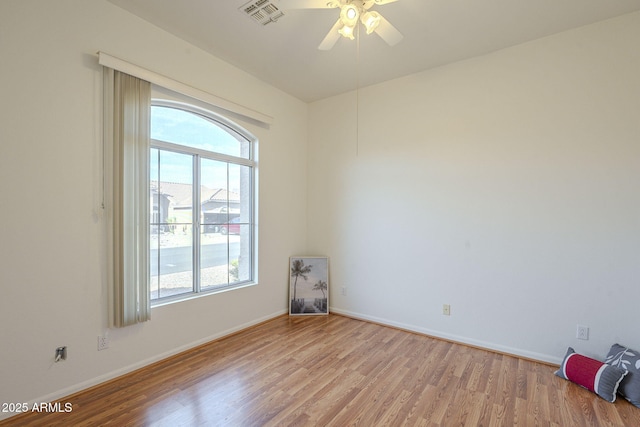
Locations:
column 202, row 212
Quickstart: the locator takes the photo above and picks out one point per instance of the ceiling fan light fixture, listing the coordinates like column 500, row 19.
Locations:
column 352, row 13
column 370, row 20
column 349, row 15
column 347, row 31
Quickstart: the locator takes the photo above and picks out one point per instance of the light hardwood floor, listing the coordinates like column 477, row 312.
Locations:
column 337, row 371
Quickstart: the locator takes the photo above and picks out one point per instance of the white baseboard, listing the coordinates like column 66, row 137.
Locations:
column 60, row 394
column 454, row 338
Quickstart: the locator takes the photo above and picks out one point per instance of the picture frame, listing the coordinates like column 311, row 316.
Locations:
column 308, row 285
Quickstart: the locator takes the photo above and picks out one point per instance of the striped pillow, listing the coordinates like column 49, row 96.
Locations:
column 591, row 374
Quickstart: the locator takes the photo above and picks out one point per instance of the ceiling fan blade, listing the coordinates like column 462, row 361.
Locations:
column 305, row 4
column 388, row 32
column 332, row 37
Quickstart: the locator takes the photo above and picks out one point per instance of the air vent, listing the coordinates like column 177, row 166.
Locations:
column 262, row 11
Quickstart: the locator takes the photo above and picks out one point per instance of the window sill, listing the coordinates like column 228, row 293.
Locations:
column 191, row 295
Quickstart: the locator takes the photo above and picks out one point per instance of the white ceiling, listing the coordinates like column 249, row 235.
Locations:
column 436, row 32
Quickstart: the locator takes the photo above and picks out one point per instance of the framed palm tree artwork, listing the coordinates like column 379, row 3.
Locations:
column 308, row 285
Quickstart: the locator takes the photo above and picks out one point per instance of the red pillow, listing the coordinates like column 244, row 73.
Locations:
column 591, row 374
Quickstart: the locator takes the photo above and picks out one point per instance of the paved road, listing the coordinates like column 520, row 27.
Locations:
column 176, row 260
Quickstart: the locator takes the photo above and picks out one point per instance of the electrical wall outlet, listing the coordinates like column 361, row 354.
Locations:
column 103, row 342
column 344, row 290
column 446, row 309
column 61, row 354
column 582, row 332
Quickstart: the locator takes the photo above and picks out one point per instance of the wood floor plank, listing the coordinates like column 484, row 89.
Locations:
column 336, row 371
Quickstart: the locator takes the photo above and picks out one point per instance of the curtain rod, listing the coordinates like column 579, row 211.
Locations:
column 176, row 86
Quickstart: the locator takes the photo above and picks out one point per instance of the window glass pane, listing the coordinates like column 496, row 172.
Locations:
column 154, row 197
column 215, row 215
column 193, row 130
column 240, row 186
column 217, row 209
column 214, row 265
column 240, row 270
column 240, row 190
column 171, row 227
column 171, row 260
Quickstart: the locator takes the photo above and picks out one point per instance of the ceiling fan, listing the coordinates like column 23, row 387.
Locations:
column 351, row 11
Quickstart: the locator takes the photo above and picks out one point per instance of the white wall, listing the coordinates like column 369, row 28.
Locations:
column 505, row 185
column 51, row 242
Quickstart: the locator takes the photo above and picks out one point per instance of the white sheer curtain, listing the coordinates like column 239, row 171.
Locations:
column 127, row 103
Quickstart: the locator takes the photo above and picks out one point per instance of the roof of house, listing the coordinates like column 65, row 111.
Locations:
column 181, row 195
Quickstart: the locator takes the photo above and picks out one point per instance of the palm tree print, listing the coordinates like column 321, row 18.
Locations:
column 299, row 270
column 321, row 286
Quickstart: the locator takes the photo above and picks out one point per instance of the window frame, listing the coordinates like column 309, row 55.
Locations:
column 161, row 99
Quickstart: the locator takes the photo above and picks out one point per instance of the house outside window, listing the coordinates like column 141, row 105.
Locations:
column 202, row 202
